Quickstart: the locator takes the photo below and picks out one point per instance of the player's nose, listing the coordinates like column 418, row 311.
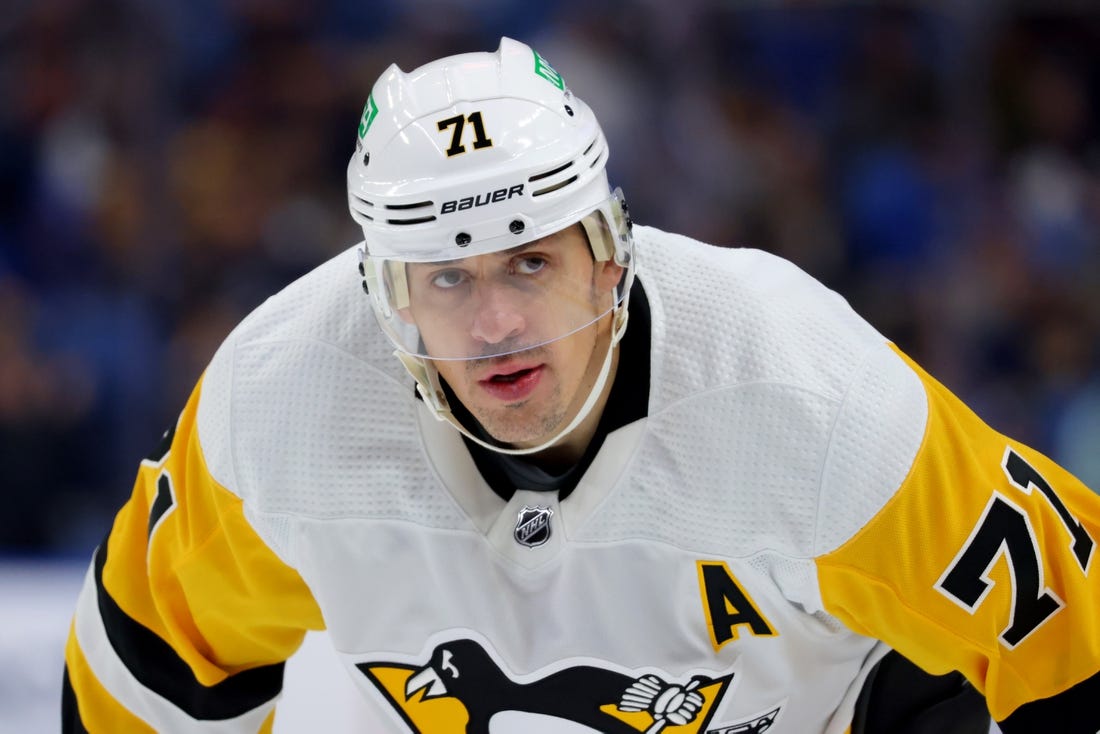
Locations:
column 497, row 315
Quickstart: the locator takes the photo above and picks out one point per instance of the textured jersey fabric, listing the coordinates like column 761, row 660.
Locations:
column 798, row 498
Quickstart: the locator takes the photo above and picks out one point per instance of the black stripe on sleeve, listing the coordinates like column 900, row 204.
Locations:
column 1073, row 711
column 900, row 698
column 161, row 503
column 70, row 714
column 153, row 662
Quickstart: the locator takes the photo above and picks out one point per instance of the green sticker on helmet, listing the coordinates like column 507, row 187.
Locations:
column 547, row 72
column 370, row 111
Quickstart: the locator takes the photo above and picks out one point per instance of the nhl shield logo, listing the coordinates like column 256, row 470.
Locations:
column 533, row 526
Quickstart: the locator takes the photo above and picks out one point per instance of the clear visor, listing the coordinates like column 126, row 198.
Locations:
column 508, row 301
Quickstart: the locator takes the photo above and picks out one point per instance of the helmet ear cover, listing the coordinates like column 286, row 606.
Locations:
column 397, row 284
column 388, row 293
column 599, row 238
column 610, row 239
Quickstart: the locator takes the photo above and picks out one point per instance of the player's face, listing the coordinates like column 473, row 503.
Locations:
column 531, row 294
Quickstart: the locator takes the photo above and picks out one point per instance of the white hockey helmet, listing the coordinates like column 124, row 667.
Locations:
column 474, row 154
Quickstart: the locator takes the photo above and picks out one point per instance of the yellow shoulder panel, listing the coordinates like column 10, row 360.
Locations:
column 183, row 561
column 983, row 561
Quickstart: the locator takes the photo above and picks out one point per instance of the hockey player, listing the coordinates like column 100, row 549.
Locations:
column 536, row 519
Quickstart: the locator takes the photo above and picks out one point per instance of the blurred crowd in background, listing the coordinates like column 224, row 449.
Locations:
column 167, row 164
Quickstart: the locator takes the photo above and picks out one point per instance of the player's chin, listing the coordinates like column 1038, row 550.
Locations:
column 516, row 425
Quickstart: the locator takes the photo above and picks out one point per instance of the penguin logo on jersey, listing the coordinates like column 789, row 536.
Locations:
column 533, row 526
column 463, row 690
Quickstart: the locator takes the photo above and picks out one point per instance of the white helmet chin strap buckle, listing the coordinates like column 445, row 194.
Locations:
column 430, row 389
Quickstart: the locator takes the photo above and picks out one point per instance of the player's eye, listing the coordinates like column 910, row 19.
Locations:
column 530, row 264
column 448, row 278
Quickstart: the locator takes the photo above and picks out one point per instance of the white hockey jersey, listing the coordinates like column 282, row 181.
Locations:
column 797, row 492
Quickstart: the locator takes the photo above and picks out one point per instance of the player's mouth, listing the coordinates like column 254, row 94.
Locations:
column 511, row 384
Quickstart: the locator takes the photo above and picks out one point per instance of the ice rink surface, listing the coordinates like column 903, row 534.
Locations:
column 36, row 603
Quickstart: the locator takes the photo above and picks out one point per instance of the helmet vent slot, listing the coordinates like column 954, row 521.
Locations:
column 597, row 159
column 359, row 208
column 547, row 174
column 412, row 217
column 554, row 187
column 417, row 220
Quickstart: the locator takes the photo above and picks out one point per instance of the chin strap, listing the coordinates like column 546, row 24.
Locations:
column 430, row 389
